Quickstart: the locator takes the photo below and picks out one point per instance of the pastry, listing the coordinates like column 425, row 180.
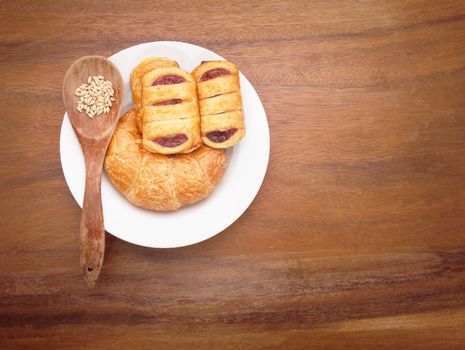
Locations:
column 220, row 103
column 170, row 111
column 147, row 65
column 157, row 181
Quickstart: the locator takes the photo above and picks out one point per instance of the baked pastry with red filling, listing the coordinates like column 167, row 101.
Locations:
column 145, row 66
column 170, row 111
column 220, row 103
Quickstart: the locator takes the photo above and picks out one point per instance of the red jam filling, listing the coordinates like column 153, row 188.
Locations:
column 219, row 136
column 168, row 80
column 174, row 101
column 214, row 73
column 171, row 141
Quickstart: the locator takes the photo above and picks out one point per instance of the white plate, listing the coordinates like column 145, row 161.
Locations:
column 248, row 161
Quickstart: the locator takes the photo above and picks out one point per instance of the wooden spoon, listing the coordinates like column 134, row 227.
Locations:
column 94, row 136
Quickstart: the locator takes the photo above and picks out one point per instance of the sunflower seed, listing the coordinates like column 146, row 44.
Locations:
column 96, row 97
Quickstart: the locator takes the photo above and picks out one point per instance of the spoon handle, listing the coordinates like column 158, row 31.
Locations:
column 92, row 228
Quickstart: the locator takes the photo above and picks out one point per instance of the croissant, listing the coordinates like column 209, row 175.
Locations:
column 220, row 103
column 170, row 111
column 145, row 66
column 156, row 181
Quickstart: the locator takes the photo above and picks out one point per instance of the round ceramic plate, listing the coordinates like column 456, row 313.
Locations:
column 247, row 163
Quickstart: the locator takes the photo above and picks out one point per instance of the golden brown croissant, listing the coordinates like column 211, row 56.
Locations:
column 156, row 181
column 145, row 66
column 220, row 103
column 171, row 122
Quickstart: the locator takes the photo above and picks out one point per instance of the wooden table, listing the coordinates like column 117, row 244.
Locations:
column 356, row 239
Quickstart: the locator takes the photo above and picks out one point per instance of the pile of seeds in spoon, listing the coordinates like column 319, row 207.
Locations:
column 95, row 97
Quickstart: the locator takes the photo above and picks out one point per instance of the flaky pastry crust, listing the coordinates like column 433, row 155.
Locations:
column 156, row 181
column 174, row 127
column 220, row 103
column 145, row 66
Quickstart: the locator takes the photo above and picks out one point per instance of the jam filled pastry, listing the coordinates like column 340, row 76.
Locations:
column 147, row 65
column 220, row 103
column 170, row 114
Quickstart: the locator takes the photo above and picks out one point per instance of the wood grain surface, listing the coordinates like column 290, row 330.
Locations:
column 356, row 239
